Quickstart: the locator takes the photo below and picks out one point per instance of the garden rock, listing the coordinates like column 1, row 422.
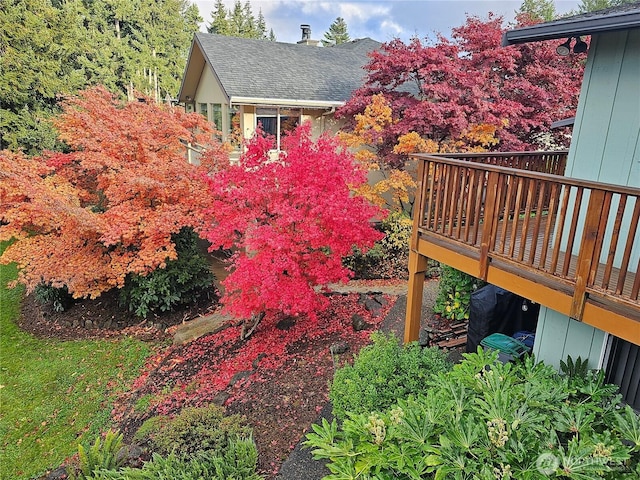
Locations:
column 358, row 323
column 220, row 399
column 338, row 348
column 239, row 376
column 59, row 473
column 372, row 304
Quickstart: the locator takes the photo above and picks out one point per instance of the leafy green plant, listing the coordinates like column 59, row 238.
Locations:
column 58, row 298
column 454, row 293
column 182, row 281
column 577, row 369
column 389, row 256
column 382, row 373
column 237, row 462
column 486, row 420
column 194, row 429
column 107, row 455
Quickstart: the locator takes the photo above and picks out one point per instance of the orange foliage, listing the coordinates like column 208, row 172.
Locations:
column 88, row 218
column 395, row 185
column 477, row 138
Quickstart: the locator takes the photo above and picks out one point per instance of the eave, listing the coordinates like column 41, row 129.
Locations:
column 285, row 102
column 580, row 25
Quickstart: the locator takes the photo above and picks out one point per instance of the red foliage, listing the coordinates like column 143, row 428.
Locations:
column 202, row 369
column 88, row 218
column 291, row 219
column 441, row 90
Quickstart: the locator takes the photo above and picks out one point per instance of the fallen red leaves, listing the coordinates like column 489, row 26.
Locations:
column 278, row 378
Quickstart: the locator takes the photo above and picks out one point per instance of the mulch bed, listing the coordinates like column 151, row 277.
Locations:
column 277, row 379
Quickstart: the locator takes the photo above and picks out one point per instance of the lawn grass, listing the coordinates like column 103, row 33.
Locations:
column 54, row 394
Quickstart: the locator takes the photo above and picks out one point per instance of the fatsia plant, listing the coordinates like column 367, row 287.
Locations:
column 108, row 208
column 290, row 218
column 486, row 420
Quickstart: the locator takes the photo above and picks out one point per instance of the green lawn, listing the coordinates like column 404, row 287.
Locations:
column 54, row 394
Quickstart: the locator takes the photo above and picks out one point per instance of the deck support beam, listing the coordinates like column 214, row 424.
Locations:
column 417, row 271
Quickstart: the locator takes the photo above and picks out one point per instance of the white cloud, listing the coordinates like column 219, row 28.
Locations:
column 390, row 26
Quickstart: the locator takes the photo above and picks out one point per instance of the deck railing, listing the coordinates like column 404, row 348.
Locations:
column 554, row 162
column 579, row 232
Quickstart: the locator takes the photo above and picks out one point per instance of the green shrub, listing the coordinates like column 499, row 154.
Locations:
column 107, row 454
column 182, row 281
column 193, row 430
column 389, row 256
column 382, row 373
column 237, row 462
column 485, row 420
column 58, row 298
column 454, row 293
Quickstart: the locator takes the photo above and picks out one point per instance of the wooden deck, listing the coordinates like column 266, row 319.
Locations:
column 513, row 228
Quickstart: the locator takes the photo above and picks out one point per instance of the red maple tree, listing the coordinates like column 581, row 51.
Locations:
column 87, row 218
column 290, row 217
column 441, row 91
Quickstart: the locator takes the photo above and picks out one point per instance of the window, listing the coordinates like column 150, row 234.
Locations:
column 622, row 367
column 234, row 133
column 203, row 110
column 216, row 115
column 271, row 118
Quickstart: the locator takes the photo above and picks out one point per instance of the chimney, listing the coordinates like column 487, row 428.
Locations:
column 306, row 36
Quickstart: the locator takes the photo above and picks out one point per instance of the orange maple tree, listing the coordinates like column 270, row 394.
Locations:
column 87, row 218
column 391, row 187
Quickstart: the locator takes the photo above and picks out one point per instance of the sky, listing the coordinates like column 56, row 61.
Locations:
column 381, row 20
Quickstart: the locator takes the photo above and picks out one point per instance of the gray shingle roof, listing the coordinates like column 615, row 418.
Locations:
column 265, row 69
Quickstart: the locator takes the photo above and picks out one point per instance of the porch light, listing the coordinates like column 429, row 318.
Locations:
column 580, row 46
column 564, row 49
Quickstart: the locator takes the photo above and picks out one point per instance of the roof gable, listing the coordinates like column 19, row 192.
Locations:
column 250, row 68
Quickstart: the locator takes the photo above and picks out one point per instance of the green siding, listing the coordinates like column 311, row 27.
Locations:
column 606, row 137
column 606, row 148
column 558, row 336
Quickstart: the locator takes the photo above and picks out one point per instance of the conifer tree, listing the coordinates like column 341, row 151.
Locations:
column 50, row 49
column 219, row 23
column 238, row 21
column 337, row 33
column 540, row 10
column 593, row 5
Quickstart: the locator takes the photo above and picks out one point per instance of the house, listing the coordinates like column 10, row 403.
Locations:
column 568, row 242
column 238, row 83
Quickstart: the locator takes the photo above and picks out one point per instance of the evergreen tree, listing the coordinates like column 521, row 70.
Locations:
column 50, row 48
column 219, row 23
column 39, row 46
column 541, row 10
column 337, row 33
column 593, row 5
column 261, row 24
column 238, row 21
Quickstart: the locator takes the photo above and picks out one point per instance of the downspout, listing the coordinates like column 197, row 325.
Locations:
column 278, row 128
column 324, row 115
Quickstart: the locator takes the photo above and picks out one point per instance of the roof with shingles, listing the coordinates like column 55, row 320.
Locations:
column 265, row 69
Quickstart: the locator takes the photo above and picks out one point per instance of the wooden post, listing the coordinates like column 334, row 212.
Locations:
column 488, row 220
column 417, row 270
column 587, row 254
column 417, row 262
